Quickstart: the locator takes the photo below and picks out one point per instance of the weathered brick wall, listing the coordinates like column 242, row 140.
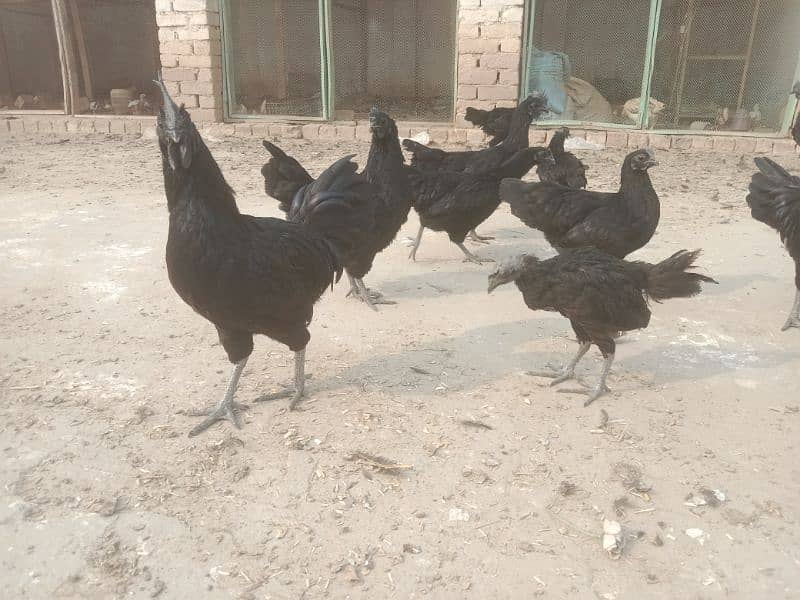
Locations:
column 489, row 52
column 191, row 55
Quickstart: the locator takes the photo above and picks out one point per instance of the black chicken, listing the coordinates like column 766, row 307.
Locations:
column 458, row 202
column 481, row 161
column 796, row 126
column 283, row 176
column 495, row 122
column 247, row 275
column 568, row 170
column 616, row 223
column 600, row 295
column 386, row 198
column 774, row 199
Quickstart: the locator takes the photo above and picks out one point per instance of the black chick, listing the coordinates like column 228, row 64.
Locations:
column 616, row 223
column 495, row 122
column 796, row 126
column 774, row 199
column 600, row 295
column 247, row 275
column 458, row 202
column 283, row 176
column 481, row 161
column 568, row 170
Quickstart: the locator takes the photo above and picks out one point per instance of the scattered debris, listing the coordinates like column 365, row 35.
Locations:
column 620, row 504
column 567, row 488
column 697, row 534
column 420, row 371
column 475, row 423
column 457, row 514
column 705, row 497
column 411, row 549
column 378, row 463
column 631, row 477
column 612, row 538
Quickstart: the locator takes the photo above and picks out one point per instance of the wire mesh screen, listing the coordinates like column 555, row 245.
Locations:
column 275, row 60
column 30, row 71
column 588, row 56
column 725, row 64
column 116, row 49
column 399, row 55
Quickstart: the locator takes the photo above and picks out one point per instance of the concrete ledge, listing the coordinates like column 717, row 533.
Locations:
column 441, row 133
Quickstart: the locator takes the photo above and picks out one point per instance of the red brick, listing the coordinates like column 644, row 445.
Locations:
column 724, row 144
column 467, row 92
column 746, row 145
column 638, row 140
column 457, row 136
column 500, row 30
column 702, row 142
column 509, row 77
column 783, row 147
column 477, row 76
column 617, row 139
column 345, row 132
column 682, row 142
column 475, row 137
column 660, row 142
column 478, row 46
column 511, row 45
column 597, row 137
column 170, row 74
column 497, row 92
column 500, row 61
column 202, row 88
column 764, row 145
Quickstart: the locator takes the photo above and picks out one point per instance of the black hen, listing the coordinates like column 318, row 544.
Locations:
column 774, row 199
column 482, row 161
column 796, row 126
column 616, row 223
column 600, row 295
column 458, row 202
column 567, row 170
column 283, row 176
column 247, row 275
column 384, row 191
column 495, row 122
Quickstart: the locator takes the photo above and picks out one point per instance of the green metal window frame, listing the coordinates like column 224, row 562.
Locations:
column 647, row 80
column 326, row 67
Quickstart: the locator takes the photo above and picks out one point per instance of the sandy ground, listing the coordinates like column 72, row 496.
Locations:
column 104, row 496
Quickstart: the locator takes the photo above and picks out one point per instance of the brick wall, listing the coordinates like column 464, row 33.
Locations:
column 489, row 52
column 191, row 55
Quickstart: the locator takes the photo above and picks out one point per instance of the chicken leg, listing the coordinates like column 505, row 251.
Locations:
column 794, row 316
column 601, row 388
column 370, row 297
column 417, row 242
column 470, row 257
column 227, row 409
column 298, row 391
column 479, row 239
column 566, row 373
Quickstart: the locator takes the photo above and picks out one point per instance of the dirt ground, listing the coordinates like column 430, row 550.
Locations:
column 501, row 483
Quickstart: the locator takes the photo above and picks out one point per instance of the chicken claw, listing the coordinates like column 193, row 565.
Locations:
column 298, row 391
column 227, row 409
column 479, row 239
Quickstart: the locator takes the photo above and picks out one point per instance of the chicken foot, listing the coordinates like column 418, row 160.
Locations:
column 794, row 316
column 298, row 391
column 479, row 239
column 566, row 373
column 370, row 297
column 601, row 388
column 227, row 409
column 470, row 257
column 417, row 242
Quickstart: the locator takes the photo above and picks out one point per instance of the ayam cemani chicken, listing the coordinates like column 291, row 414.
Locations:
column 488, row 159
column 458, row 202
column 774, row 199
column 567, row 169
column 617, row 223
column 247, row 275
column 600, row 295
column 386, row 198
column 796, row 126
column 495, row 122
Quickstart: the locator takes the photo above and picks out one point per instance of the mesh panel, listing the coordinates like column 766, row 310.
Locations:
column 605, row 43
column 275, row 62
column 122, row 56
column 397, row 55
column 707, row 68
column 30, row 73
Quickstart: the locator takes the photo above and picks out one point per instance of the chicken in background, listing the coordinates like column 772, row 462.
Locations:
column 495, row 122
column 566, row 168
column 388, row 198
column 458, row 202
column 616, row 223
column 246, row 275
column 796, row 125
column 600, row 295
column 774, row 199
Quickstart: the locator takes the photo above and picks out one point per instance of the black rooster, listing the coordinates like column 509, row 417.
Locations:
column 774, row 199
column 247, row 275
column 386, row 199
column 458, row 202
column 600, row 295
column 616, row 223
column 567, row 170
column 796, row 126
column 495, row 122
column 482, row 161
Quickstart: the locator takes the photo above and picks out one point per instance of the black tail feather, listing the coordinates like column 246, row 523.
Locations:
column 672, row 278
